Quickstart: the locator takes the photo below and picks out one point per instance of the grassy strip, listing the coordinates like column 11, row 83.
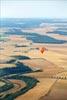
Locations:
column 30, row 83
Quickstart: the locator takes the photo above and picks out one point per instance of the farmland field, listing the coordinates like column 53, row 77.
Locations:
column 26, row 73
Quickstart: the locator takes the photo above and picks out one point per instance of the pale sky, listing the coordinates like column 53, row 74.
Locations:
column 33, row 8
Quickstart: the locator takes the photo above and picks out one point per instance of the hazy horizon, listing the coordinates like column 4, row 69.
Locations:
column 34, row 9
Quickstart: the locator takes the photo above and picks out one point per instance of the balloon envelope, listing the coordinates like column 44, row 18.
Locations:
column 42, row 50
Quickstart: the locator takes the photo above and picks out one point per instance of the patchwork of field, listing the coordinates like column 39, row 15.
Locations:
column 25, row 72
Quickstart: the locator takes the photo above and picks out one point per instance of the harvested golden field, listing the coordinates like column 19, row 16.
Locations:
column 33, row 62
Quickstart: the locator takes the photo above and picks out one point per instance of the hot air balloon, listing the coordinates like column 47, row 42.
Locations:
column 42, row 49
